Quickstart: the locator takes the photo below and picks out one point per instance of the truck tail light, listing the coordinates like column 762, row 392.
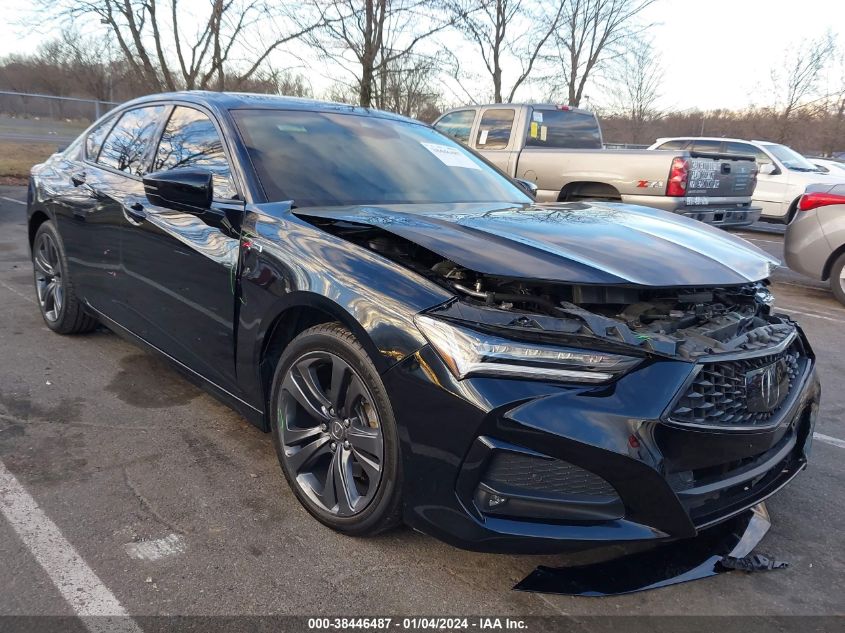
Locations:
column 810, row 201
column 677, row 184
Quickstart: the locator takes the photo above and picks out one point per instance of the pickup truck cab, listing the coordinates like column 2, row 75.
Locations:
column 560, row 150
column 783, row 174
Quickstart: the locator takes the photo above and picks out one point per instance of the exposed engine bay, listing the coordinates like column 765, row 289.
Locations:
column 678, row 322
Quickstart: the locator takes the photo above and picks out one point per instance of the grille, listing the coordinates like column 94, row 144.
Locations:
column 516, row 470
column 718, row 396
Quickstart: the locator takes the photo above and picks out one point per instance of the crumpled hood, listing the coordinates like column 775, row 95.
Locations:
column 582, row 243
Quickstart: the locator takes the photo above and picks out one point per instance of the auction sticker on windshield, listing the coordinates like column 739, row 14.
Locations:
column 450, row 156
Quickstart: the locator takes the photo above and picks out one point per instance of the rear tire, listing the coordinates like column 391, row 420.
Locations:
column 790, row 215
column 61, row 309
column 335, row 434
column 837, row 279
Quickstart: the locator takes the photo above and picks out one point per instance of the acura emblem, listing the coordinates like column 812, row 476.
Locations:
column 765, row 388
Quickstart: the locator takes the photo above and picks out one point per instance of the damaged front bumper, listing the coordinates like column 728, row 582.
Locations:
column 532, row 467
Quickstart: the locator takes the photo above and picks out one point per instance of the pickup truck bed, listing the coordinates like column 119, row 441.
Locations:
column 529, row 142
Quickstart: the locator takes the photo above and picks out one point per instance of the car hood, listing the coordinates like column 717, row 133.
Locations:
column 569, row 242
column 816, row 178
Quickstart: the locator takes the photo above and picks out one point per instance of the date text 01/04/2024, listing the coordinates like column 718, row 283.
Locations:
column 417, row 623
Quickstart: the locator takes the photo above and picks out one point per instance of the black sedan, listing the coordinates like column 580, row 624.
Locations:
column 426, row 343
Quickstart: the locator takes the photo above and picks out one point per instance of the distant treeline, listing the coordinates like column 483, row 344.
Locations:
column 817, row 128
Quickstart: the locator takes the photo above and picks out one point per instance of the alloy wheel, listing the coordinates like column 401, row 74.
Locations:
column 48, row 276
column 331, row 433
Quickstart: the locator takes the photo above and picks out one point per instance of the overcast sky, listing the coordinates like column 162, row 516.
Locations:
column 716, row 53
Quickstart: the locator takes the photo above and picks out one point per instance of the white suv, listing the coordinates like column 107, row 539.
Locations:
column 783, row 173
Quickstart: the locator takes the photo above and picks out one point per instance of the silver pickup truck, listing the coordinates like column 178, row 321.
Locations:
column 559, row 149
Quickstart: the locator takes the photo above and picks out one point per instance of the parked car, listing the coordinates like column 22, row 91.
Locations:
column 559, row 149
column 425, row 342
column 828, row 166
column 815, row 240
column 784, row 174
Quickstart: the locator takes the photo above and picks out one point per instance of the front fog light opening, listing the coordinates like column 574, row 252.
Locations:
column 518, row 485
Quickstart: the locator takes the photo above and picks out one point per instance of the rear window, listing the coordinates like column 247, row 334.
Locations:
column 325, row 159
column 563, row 129
column 676, row 144
column 95, row 138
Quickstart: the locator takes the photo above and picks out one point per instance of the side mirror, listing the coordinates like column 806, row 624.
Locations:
column 768, row 169
column 189, row 190
column 529, row 187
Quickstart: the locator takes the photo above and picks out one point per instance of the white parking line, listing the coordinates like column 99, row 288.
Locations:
column 14, row 290
column 833, row 441
column 7, row 199
column 89, row 598
column 780, row 282
column 809, row 314
column 754, row 239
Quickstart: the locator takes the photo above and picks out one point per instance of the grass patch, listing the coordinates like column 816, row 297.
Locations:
column 17, row 157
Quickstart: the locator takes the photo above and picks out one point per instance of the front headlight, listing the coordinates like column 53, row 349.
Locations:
column 471, row 353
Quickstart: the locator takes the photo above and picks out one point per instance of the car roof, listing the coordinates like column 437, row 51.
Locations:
column 537, row 106
column 221, row 101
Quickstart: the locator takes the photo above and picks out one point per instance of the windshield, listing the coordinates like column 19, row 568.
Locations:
column 326, row 159
column 790, row 158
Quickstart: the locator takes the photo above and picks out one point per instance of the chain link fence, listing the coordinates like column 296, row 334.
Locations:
column 33, row 126
column 36, row 115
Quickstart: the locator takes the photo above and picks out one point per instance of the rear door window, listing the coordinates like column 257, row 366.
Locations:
column 746, row 148
column 563, row 129
column 190, row 140
column 127, row 143
column 494, row 131
column 457, row 124
column 707, row 146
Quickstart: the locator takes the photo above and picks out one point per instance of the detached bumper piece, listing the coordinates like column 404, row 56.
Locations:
column 714, row 551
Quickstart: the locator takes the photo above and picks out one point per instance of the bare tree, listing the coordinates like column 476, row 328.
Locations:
column 798, row 78
column 365, row 38
column 87, row 64
column 407, row 87
column 592, row 32
column 233, row 42
column 506, row 30
column 635, row 85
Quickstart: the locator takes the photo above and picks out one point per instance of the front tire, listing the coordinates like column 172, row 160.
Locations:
column 61, row 309
column 335, row 434
column 837, row 279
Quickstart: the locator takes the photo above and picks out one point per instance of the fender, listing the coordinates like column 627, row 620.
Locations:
column 274, row 278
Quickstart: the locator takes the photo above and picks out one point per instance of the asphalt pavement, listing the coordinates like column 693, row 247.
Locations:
column 162, row 501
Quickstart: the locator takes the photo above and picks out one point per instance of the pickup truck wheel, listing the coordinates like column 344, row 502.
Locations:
column 837, row 279
column 335, row 434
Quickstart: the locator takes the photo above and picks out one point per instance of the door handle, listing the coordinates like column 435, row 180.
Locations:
column 135, row 211
column 78, row 179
